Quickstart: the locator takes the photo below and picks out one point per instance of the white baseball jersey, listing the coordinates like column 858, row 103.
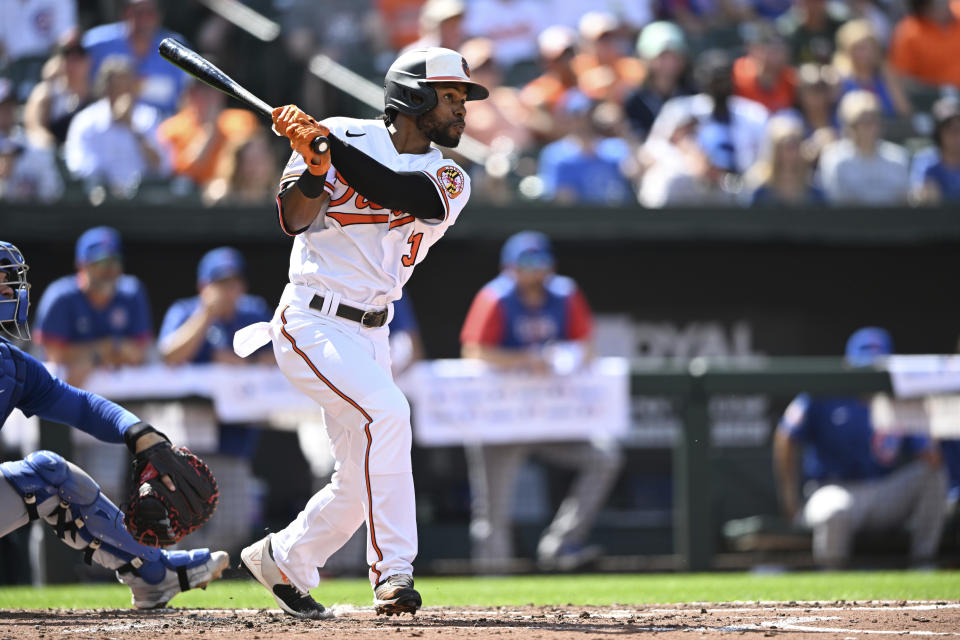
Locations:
column 356, row 247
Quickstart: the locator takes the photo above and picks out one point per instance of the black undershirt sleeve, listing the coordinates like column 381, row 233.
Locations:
column 410, row 192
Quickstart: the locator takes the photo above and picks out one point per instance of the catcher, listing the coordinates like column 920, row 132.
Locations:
column 174, row 491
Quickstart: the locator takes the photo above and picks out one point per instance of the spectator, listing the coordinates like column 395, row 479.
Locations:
column 499, row 120
column 543, row 94
column 603, row 72
column 663, row 49
column 137, row 39
column 810, row 27
column 855, row 479
column 861, row 168
column 29, row 29
column 441, row 25
column 27, row 173
column 584, row 166
column 859, row 61
column 251, row 175
column 941, row 181
column 400, row 20
column 203, row 136
column 764, row 75
column 512, row 25
column 62, row 93
column 406, row 346
column 98, row 317
column 199, row 330
column 738, row 121
column 511, row 324
column 677, row 171
column 816, row 107
column 926, row 44
column 700, row 18
column 341, row 29
column 113, row 142
column 632, row 15
column 782, row 176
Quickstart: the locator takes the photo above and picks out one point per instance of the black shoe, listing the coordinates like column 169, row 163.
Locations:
column 257, row 560
column 396, row 595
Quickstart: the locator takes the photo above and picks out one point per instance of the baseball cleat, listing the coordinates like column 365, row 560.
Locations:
column 257, row 560
column 184, row 570
column 396, row 595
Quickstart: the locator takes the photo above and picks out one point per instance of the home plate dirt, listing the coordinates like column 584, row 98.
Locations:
column 821, row 620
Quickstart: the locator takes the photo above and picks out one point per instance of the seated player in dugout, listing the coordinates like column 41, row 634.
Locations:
column 97, row 317
column 529, row 318
column 838, row 476
column 45, row 486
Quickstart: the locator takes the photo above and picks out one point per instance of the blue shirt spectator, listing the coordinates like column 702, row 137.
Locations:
column 137, row 38
column 939, row 170
column 588, row 173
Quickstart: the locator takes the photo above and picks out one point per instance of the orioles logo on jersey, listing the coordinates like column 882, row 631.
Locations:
column 452, row 180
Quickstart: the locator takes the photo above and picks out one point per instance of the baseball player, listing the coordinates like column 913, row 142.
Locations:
column 363, row 215
column 44, row 485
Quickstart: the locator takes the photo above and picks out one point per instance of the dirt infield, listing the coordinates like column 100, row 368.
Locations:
column 840, row 620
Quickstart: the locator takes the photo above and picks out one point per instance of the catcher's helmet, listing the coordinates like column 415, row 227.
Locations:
column 15, row 293
column 407, row 87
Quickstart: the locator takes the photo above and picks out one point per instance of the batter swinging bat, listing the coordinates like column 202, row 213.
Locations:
column 202, row 69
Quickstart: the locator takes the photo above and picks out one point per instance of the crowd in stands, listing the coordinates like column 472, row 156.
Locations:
column 654, row 103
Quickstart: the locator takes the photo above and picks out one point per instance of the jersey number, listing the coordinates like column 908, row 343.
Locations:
column 411, row 258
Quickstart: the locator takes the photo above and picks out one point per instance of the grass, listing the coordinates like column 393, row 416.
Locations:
column 541, row 590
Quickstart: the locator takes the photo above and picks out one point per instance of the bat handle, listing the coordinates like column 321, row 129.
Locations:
column 320, row 144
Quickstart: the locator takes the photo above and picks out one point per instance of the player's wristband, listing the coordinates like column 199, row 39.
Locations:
column 311, row 185
column 134, row 431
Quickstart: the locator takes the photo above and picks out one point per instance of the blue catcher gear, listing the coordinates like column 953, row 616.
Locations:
column 14, row 293
column 83, row 518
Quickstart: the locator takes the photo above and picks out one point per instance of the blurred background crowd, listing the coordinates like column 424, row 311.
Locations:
column 603, row 102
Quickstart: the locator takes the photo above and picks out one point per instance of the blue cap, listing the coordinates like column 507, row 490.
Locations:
column 867, row 344
column 714, row 140
column 220, row 263
column 98, row 243
column 527, row 249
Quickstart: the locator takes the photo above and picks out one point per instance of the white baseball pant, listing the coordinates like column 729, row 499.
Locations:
column 346, row 369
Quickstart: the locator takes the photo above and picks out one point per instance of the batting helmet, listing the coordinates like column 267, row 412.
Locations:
column 407, row 87
column 14, row 293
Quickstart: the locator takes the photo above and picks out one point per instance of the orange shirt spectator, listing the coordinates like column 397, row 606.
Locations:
column 746, row 83
column 603, row 72
column 764, row 75
column 926, row 44
column 557, row 49
column 401, row 19
column 202, row 136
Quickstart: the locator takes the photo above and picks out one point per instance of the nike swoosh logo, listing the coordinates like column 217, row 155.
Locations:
column 351, row 134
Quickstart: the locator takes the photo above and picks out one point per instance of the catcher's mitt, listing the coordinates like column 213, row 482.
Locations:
column 157, row 516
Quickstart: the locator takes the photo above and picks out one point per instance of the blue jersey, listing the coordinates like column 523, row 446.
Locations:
column 840, row 443
column 591, row 175
column 951, row 460
column 219, row 336
column 26, row 385
column 65, row 314
column 403, row 317
column 161, row 82
column 947, row 180
column 498, row 316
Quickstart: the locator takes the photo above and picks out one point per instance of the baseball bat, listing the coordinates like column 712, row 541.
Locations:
column 202, row 69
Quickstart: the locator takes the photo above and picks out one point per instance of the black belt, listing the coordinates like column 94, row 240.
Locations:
column 369, row 319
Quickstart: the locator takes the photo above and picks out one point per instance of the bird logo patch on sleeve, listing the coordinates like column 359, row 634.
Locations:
column 451, row 179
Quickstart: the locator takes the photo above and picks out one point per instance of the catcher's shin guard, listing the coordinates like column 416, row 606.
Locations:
column 82, row 517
